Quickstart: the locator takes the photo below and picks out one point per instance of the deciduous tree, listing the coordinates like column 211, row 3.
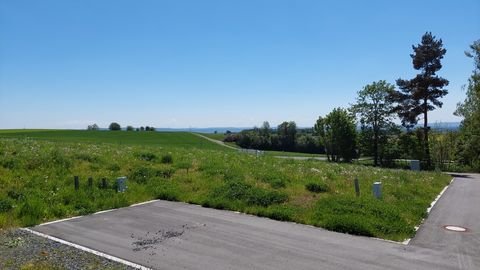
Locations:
column 375, row 110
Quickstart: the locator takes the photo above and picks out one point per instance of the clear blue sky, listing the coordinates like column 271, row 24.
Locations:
column 178, row 63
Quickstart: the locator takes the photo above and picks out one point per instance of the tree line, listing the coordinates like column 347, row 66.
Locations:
column 376, row 106
column 114, row 126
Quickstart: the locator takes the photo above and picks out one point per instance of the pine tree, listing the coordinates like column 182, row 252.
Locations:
column 421, row 94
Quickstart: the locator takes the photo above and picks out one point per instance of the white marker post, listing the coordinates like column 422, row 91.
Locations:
column 377, row 190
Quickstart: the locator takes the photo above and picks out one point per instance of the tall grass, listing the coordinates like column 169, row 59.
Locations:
column 36, row 185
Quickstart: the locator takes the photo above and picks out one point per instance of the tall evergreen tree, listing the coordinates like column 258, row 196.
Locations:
column 421, row 94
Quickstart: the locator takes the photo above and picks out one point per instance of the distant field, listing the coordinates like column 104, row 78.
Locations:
column 165, row 139
column 218, row 136
column 37, row 169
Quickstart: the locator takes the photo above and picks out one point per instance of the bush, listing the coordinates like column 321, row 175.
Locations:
column 167, row 159
column 142, row 174
column 5, row 205
column 317, row 187
column 147, row 156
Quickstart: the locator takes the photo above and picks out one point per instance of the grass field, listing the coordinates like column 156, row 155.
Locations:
column 36, row 182
column 162, row 139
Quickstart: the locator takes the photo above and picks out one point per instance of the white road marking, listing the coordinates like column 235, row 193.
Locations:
column 98, row 253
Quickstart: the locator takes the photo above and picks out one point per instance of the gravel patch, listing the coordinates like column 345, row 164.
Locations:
column 22, row 250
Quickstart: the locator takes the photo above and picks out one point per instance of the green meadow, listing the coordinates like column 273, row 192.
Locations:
column 37, row 170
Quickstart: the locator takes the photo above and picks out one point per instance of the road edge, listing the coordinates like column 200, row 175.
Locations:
column 429, row 209
column 89, row 250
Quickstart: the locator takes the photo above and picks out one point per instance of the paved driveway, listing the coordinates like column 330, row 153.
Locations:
column 170, row 235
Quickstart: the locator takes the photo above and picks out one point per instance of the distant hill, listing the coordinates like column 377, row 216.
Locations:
column 204, row 130
column 451, row 126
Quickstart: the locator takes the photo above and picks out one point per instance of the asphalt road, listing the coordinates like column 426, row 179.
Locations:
column 170, row 235
column 459, row 206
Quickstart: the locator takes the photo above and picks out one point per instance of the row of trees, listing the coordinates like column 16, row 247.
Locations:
column 376, row 106
column 114, row 126
column 286, row 137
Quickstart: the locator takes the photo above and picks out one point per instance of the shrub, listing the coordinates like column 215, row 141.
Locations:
column 147, row 156
column 15, row 194
column 317, row 187
column 167, row 159
column 5, row 205
column 142, row 174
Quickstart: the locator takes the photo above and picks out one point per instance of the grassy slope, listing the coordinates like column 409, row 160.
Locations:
column 36, row 184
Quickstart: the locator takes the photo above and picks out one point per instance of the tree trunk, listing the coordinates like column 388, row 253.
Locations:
column 425, row 135
column 375, row 147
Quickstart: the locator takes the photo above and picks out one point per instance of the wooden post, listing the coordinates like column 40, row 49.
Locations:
column 357, row 187
column 76, row 182
column 90, row 182
column 104, row 183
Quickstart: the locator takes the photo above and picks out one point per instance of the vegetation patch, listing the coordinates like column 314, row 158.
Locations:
column 40, row 187
column 317, row 187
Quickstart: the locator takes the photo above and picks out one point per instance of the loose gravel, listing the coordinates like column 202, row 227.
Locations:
column 22, row 250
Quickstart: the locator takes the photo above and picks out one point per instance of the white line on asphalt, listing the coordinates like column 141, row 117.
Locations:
column 98, row 253
column 60, row 220
column 438, row 197
column 406, row 241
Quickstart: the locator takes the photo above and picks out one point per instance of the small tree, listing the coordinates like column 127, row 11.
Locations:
column 93, row 127
column 142, row 128
column 287, row 132
column 114, row 126
column 421, row 94
column 337, row 133
column 374, row 109
column 130, row 128
column 265, row 130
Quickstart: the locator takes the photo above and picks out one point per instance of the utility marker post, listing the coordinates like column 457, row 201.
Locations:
column 377, row 190
column 357, row 187
column 76, row 182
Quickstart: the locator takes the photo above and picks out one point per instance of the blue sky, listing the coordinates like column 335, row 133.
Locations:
column 179, row 63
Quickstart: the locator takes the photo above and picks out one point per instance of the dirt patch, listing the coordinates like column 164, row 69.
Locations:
column 152, row 239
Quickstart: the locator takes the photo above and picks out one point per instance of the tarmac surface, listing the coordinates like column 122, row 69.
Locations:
column 172, row 235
